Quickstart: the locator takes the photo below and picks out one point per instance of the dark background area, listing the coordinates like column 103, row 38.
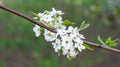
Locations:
column 20, row 48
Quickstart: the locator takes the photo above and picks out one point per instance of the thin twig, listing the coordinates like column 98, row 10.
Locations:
column 53, row 30
column 102, row 46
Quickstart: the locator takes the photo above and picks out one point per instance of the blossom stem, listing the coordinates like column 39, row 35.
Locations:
column 53, row 30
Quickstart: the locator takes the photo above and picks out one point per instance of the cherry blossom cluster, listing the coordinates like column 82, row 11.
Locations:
column 67, row 41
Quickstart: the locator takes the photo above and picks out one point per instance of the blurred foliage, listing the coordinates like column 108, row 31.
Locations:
column 20, row 47
column 2, row 64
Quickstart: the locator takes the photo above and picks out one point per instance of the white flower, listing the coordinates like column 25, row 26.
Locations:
column 79, row 46
column 36, row 29
column 49, row 36
column 81, row 36
column 72, row 54
column 76, row 39
column 61, row 32
column 60, row 19
column 82, row 47
column 54, row 12
column 46, row 18
column 70, row 29
column 64, row 51
column 73, row 30
column 59, row 26
column 40, row 14
column 67, row 42
column 57, row 45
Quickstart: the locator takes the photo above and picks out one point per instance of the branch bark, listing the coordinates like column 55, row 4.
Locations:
column 53, row 30
column 102, row 46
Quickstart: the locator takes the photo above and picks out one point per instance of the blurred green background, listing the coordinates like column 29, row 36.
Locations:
column 20, row 48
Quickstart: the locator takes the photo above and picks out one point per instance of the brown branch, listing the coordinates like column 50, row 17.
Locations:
column 102, row 46
column 26, row 17
column 53, row 30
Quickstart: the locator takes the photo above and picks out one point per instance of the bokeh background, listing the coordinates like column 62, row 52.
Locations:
column 20, row 48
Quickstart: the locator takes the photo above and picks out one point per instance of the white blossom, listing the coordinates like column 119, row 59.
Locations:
column 36, row 29
column 59, row 26
column 60, row 33
column 40, row 14
column 67, row 41
column 79, row 46
column 46, row 18
column 60, row 19
column 49, row 36
column 57, row 45
column 54, row 12
column 72, row 54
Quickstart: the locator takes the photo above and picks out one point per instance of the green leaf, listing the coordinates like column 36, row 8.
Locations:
column 67, row 22
column 88, row 47
column 35, row 14
column 100, row 40
column 84, row 25
column 109, row 42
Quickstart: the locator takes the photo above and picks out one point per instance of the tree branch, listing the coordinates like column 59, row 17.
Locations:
column 102, row 46
column 53, row 30
column 26, row 17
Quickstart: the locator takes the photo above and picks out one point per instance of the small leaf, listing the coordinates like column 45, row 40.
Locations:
column 109, row 42
column 84, row 25
column 35, row 14
column 88, row 47
column 100, row 40
column 67, row 22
